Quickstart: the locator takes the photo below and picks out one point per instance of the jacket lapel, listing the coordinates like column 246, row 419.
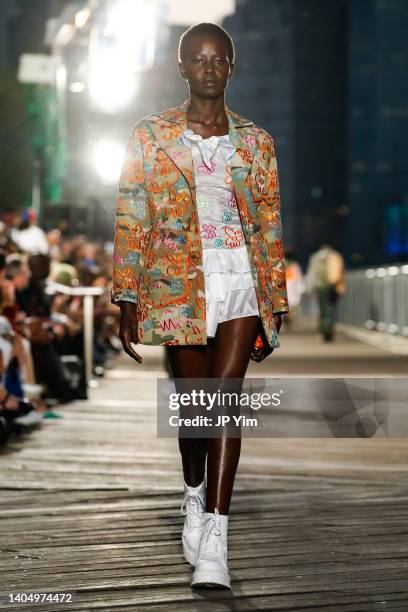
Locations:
column 168, row 126
column 239, row 129
column 242, row 138
column 167, row 129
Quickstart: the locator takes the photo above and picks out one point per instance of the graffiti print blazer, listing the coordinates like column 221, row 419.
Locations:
column 157, row 259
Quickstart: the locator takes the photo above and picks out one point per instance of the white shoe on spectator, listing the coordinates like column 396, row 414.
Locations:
column 192, row 508
column 211, row 568
column 31, row 418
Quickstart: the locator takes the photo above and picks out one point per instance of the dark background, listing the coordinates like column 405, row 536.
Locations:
column 327, row 79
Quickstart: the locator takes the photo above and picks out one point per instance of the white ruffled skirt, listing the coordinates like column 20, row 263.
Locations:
column 229, row 287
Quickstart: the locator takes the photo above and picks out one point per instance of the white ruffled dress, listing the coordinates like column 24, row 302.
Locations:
column 229, row 287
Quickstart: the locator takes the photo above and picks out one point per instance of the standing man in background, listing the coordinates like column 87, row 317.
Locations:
column 325, row 277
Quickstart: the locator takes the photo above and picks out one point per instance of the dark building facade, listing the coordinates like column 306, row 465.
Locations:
column 290, row 79
column 377, row 177
column 328, row 81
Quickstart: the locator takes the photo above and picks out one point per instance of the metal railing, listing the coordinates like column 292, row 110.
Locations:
column 376, row 298
column 88, row 294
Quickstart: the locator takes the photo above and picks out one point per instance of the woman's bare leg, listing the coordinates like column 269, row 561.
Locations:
column 234, row 341
column 192, row 362
column 225, row 356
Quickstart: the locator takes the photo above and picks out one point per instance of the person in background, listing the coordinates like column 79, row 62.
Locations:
column 17, row 368
column 16, row 278
column 33, row 299
column 325, row 278
column 28, row 236
column 54, row 244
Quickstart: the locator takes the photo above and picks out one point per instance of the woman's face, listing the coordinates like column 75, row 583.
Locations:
column 206, row 65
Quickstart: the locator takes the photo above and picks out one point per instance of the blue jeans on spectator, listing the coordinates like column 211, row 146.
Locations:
column 327, row 297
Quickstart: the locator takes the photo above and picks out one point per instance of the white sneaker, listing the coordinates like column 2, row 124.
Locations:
column 211, row 566
column 192, row 508
column 31, row 418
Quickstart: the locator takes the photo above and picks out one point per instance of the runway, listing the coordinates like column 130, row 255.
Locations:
column 90, row 503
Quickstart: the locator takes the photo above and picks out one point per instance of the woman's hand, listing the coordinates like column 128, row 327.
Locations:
column 259, row 354
column 128, row 328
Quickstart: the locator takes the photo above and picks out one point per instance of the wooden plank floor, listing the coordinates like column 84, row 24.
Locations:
column 90, row 503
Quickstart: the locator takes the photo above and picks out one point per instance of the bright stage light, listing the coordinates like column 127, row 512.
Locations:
column 133, row 26
column 77, row 87
column 123, row 46
column 132, row 22
column 108, row 159
column 112, row 84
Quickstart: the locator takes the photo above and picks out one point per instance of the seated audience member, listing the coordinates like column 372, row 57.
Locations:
column 33, row 299
column 28, row 236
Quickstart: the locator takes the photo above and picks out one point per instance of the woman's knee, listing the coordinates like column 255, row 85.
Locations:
column 235, row 340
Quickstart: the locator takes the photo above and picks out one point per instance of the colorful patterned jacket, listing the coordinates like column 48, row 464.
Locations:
column 157, row 260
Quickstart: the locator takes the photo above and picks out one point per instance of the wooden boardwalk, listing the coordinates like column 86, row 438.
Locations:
column 90, row 503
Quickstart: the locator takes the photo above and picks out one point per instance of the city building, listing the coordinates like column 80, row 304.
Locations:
column 290, row 79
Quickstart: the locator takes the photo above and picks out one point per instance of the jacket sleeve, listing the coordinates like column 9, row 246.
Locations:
column 271, row 225
column 132, row 223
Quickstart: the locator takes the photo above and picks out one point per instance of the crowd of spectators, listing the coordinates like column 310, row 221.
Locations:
column 42, row 360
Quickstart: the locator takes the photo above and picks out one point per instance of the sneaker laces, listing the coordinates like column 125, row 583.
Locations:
column 211, row 544
column 193, row 508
